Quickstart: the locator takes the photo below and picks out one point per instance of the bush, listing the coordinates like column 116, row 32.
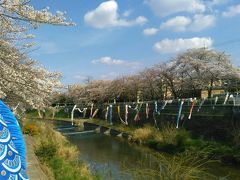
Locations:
column 46, row 151
column 68, row 170
column 143, row 135
column 171, row 135
column 31, row 129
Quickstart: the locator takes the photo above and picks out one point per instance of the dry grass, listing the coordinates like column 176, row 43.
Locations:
column 184, row 167
column 64, row 164
column 167, row 134
column 47, row 170
column 171, row 135
column 65, row 149
column 141, row 135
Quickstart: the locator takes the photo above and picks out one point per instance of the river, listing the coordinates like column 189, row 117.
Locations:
column 115, row 158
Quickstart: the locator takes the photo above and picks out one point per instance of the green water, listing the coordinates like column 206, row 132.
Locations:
column 111, row 157
column 115, row 158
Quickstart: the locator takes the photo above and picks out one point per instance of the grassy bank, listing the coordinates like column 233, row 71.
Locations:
column 189, row 158
column 176, row 141
column 58, row 157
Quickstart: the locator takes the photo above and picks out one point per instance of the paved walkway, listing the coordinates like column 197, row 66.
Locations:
column 34, row 170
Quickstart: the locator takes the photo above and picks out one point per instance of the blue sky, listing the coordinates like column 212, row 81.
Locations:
column 117, row 37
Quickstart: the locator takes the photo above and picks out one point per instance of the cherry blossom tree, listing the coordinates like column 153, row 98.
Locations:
column 21, row 78
column 204, row 68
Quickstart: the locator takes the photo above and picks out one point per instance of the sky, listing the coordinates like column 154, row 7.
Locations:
column 121, row 37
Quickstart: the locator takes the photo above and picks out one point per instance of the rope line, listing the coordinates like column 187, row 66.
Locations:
column 179, row 113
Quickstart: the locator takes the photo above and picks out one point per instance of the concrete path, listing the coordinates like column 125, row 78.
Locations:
column 34, row 170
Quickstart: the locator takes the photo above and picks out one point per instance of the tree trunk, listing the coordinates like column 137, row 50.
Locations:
column 39, row 114
column 210, row 89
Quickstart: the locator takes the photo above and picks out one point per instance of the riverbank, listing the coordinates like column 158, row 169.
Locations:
column 59, row 159
column 178, row 151
column 170, row 140
column 34, row 169
column 116, row 151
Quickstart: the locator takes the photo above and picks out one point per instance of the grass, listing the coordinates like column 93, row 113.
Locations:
column 168, row 139
column 173, row 141
column 183, row 167
column 236, row 138
column 188, row 159
column 58, row 156
column 141, row 135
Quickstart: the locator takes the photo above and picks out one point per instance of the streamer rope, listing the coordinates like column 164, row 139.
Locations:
column 147, row 110
column 191, row 109
column 126, row 114
column 110, row 114
column 137, row 116
column 179, row 113
column 119, row 115
column 201, row 104
column 106, row 114
column 164, row 105
column 84, row 112
column 226, row 98
column 91, row 110
column 81, row 111
column 215, row 102
column 233, row 98
column 72, row 113
column 155, row 112
column 94, row 114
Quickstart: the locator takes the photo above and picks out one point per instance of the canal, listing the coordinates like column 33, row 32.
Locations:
column 115, row 158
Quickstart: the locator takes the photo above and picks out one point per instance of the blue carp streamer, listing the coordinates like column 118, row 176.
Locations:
column 12, row 147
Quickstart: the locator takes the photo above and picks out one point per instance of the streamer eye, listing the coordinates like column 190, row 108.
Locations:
column 3, row 173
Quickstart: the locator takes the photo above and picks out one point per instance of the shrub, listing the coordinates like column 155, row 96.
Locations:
column 31, row 129
column 142, row 135
column 171, row 135
column 46, row 151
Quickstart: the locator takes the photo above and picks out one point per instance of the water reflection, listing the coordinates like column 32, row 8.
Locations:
column 110, row 156
column 115, row 158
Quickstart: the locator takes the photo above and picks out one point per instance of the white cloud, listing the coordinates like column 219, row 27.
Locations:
column 199, row 22
column 167, row 7
column 177, row 45
column 127, row 13
column 140, row 20
column 110, row 61
column 232, row 11
column 178, row 23
column 106, row 15
column 150, row 31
